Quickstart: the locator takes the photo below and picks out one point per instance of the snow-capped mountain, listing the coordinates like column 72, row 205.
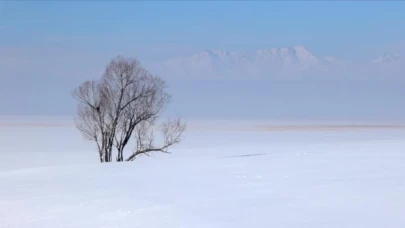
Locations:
column 295, row 61
column 261, row 63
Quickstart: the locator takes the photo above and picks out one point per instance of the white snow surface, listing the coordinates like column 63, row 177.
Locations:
column 217, row 177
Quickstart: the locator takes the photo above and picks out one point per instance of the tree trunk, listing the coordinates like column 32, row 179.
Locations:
column 120, row 156
column 106, row 156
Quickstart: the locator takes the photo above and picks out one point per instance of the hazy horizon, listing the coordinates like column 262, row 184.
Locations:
column 349, row 64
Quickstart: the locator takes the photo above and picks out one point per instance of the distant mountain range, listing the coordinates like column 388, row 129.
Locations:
column 289, row 62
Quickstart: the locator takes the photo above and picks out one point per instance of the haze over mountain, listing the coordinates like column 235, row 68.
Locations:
column 276, row 63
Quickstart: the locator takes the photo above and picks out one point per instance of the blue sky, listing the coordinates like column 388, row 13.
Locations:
column 345, row 29
column 48, row 47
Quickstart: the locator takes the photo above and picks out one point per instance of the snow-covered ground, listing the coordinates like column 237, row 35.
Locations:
column 218, row 177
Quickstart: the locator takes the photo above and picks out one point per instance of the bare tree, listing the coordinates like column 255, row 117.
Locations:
column 144, row 135
column 92, row 118
column 126, row 99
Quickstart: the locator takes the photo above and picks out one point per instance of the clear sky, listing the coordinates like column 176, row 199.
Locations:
column 48, row 47
column 329, row 27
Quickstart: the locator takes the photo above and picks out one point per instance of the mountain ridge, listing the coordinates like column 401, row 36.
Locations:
column 284, row 62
